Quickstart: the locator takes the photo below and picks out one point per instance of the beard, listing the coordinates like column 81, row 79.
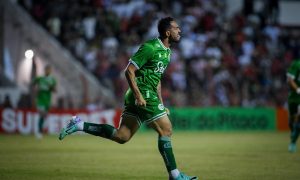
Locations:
column 174, row 39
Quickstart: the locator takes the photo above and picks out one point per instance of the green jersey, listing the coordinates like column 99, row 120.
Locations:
column 294, row 73
column 151, row 60
column 45, row 85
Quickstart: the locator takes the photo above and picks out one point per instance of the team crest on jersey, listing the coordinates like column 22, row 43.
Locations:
column 160, row 67
column 161, row 107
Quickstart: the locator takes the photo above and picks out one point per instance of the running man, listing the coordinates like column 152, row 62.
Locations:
column 44, row 85
column 143, row 101
column 293, row 77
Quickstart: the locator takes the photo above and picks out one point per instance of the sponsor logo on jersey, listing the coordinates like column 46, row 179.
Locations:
column 160, row 67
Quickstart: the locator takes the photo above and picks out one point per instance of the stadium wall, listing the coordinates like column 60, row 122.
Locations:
column 21, row 33
column 25, row 121
column 224, row 119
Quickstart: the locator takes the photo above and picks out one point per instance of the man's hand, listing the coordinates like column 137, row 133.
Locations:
column 140, row 101
column 298, row 90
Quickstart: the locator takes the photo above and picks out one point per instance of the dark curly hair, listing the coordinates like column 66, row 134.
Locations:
column 163, row 25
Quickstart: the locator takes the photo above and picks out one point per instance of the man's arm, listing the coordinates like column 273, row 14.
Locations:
column 159, row 92
column 160, row 96
column 130, row 76
column 53, row 87
column 293, row 84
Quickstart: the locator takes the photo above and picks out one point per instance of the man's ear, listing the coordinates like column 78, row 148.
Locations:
column 168, row 33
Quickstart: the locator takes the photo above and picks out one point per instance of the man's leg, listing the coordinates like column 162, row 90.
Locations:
column 293, row 109
column 295, row 132
column 127, row 129
column 293, row 124
column 42, row 115
column 163, row 127
column 41, row 120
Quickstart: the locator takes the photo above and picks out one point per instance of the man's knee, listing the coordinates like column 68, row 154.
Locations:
column 163, row 127
column 122, row 138
column 166, row 132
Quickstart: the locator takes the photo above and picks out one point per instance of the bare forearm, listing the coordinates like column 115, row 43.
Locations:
column 130, row 76
column 293, row 84
column 159, row 92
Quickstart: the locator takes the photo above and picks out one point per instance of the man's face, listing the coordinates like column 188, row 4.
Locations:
column 174, row 32
column 47, row 70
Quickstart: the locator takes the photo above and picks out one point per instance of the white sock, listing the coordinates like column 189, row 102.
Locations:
column 175, row 173
column 80, row 126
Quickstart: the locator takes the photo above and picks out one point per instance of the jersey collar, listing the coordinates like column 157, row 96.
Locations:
column 162, row 44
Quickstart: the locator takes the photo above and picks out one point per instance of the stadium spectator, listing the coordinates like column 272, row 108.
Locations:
column 249, row 46
column 6, row 103
column 25, row 101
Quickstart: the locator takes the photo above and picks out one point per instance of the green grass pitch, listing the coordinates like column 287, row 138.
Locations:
column 209, row 155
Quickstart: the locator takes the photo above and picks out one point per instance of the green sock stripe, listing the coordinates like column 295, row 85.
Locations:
column 164, row 138
column 113, row 133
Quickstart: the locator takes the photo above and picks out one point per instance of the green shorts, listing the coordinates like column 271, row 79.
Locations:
column 43, row 107
column 154, row 108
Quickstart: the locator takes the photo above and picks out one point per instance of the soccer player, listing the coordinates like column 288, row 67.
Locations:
column 293, row 77
column 143, row 101
column 44, row 85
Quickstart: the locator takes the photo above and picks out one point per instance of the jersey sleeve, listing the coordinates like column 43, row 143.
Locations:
column 292, row 70
column 144, row 54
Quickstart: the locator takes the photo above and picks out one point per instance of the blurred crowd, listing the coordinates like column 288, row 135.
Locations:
column 237, row 60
